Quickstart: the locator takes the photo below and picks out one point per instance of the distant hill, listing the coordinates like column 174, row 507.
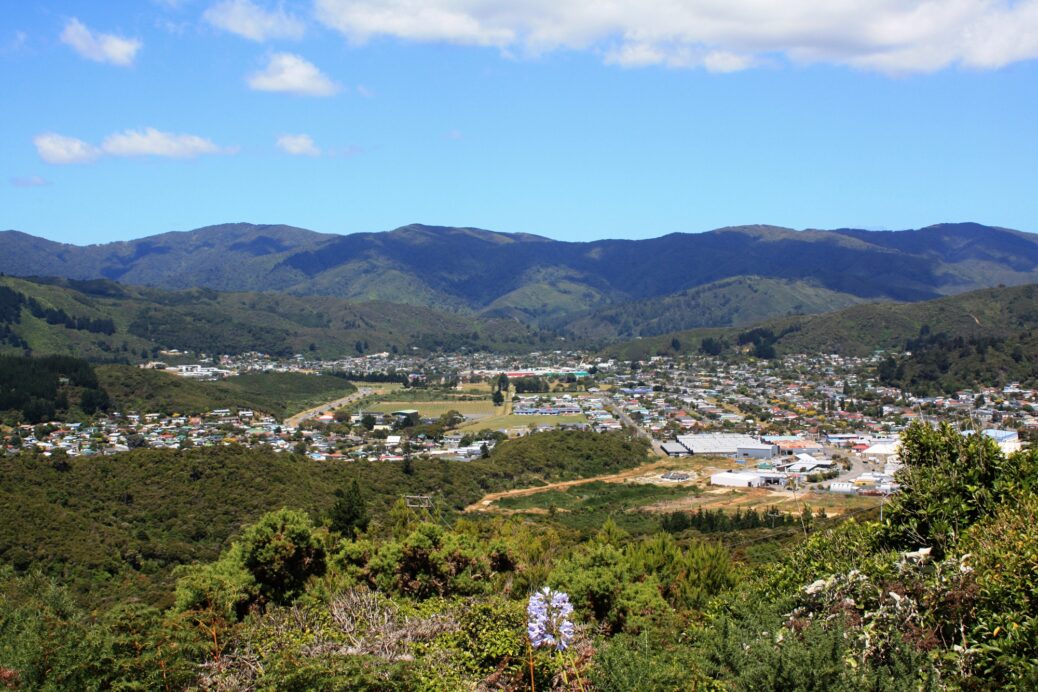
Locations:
column 738, row 301
column 105, row 321
column 538, row 280
column 862, row 329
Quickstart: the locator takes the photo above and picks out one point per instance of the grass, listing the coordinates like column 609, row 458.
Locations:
column 595, row 496
column 378, row 388
column 434, row 409
column 732, row 499
column 514, row 421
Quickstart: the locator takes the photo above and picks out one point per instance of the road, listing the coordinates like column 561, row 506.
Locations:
column 657, row 448
column 294, row 421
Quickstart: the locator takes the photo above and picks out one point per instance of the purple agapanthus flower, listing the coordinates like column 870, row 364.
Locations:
column 548, row 622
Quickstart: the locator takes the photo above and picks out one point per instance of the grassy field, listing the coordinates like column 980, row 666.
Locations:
column 378, row 388
column 433, row 409
column 731, row 499
column 593, row 496
column 513, row 421
column 476, row 388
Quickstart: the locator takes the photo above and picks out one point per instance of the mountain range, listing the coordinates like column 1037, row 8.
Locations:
column 604, row 289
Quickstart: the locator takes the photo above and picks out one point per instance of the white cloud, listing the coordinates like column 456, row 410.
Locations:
column 247, row 19
column 100, row 47
column 152, row 142
column 58, row 149
column 893, row 36
column 30, row 181
column 291, row 73
column 298, row 145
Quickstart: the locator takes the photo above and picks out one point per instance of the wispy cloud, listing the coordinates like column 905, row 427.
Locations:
column 60, row 150
column 152, row 142
column 298, row 145
column 892, row 36
column 17, row 41
column 107, row 48
column 290, row 73
column 30, row 181
column 245, row 18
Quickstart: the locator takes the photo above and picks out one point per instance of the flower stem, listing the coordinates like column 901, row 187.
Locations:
column 530, row 650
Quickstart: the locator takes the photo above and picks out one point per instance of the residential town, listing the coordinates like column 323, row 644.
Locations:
column 819, row 421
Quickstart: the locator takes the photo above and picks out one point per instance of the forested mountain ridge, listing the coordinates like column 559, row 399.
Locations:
column 738, row 301
column 105, row 321
column 863, row 329
column 532, row 277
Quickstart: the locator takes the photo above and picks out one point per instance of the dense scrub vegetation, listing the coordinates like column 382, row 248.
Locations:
column 115, row 527
column 33, row 390
column 939, row 363
column 278, row 393
column 938, row 595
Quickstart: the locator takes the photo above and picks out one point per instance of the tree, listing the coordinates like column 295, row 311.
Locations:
column 350, row 512
column 282, row 552
column 948, row 481
column 368, row 421
column 498, row 398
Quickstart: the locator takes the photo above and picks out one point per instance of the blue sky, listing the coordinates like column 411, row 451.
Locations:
column 574, row 119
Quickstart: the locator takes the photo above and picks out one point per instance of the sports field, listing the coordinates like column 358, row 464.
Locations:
column 434, row 409
column 513, row 421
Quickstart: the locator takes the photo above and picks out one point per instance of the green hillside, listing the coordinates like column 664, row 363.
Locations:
column 862, row 329
column 278, row 393
column 116, row 526
column 105, row 321
column 736, row 302
column 940, row 364
column 337, row 592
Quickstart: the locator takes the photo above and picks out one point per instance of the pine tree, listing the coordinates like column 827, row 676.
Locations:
column 350, row 511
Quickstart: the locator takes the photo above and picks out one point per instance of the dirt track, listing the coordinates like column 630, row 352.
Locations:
column 484, row 504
